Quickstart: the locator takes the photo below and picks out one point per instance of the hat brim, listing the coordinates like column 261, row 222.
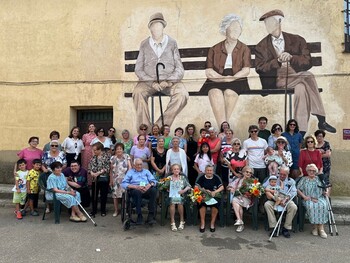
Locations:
column 157, row 20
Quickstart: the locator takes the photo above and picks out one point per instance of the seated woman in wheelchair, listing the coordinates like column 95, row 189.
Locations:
column 178, row 186
column 314, row 200
column 212, row 185
column 140, row 183
column 57, row 183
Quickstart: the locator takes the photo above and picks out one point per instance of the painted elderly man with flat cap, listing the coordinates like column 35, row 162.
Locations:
column 280, row 53
column 159, row 48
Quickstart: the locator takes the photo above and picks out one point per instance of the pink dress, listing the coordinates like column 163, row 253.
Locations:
column 86, row 154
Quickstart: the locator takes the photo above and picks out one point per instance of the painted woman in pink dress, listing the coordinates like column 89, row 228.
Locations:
column 87, row 152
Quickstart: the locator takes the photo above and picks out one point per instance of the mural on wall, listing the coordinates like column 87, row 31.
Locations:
column 154, row 77
column 227, row 67
column 283, row 59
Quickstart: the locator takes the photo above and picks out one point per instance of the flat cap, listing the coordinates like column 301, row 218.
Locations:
column 275, row 12
column 157, row 17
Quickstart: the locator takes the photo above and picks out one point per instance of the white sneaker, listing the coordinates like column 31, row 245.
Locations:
column 240, row 228
column 238, row 222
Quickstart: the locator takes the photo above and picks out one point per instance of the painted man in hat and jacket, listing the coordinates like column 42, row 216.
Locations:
column 159, row 48
column 277, row 51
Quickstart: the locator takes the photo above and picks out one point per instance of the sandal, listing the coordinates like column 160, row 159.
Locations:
column 173, row 227
column 75, row 219
column 182, row 225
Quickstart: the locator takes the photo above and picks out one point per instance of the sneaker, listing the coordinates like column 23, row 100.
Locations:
column 18, row 214
column 238, row 222
column 34, row 213
column 323, row 234
column 182, row 225
column 173, row 227
column 240, row 228
column 23, row 212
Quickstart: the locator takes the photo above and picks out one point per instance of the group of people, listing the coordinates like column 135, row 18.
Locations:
column 80, row 170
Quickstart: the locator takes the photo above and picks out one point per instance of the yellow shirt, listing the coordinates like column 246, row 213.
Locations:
column 33, row 178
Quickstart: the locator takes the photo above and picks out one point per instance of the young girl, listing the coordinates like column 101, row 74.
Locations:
column 178, row 181
column 203, row 158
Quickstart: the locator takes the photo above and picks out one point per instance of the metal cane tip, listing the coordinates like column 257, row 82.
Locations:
column 95, row 224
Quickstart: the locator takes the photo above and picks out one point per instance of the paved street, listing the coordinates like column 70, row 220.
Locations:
column 34, row 240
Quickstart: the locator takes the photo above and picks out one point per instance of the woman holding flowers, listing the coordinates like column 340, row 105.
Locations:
column 244, row 189
column 178, row 181
column 210, row 185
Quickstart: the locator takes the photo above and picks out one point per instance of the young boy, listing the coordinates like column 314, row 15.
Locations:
column 272, row 192
column 273, row 160
column 33, row 186
column 204, row 138
column 20, row 190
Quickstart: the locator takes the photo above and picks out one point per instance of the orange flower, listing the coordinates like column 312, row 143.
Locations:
column 199, row 199
column 256, row 192
column 196, row 190
column 256, row 181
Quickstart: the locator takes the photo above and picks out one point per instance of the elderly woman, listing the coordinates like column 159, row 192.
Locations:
column 99, row 167
column 325, row 148
column 228, row 65
column 54, row 135
column 73, row 146
column 314, row 200
column 30, row 153
column 276, row 131
column 127, row 141
column 53, row 155
column 57, row 182
column 281, row 150
column 120, row 164
column 212, row 185
column 176, row 155
column 141, row 151
column 158, row 159
column 310, row 155
column 236, row 158
column 240, row 201
column 180, row 182
column 294, row 139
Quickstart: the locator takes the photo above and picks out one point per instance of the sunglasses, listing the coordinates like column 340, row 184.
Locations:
column 143, row 129
column 236, row 144
column 278, row 129
column 310, row 142
column 207, row 126
column 54, row 145
column 75, row 145
column 292, row 124
column 312, row 171
column 112, row 131
column 254, row 131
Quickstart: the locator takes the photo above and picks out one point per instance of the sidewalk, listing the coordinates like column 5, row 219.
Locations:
column 340, row 204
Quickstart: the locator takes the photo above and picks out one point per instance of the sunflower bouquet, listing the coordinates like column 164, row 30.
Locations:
column 198, row 196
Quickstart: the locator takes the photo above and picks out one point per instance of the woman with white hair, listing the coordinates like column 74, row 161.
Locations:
column 314, row 200
column 176, row 155
column 228, row 65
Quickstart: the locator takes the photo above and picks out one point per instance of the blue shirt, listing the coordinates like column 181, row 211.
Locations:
column 294, row 142
column 134, row 177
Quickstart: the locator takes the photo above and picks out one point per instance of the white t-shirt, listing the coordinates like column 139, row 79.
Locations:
column 255, row 152
column 71, row 145
column 203, row 162
column 22, row 180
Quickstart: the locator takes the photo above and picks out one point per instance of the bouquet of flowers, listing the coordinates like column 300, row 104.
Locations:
column 164, row 184
column 250, row 188
column 198, row 196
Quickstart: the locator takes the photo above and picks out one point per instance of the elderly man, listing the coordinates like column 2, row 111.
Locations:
column 281, row 55
column 287, row 187
column 159, row 48
column 77, row 179
column 141, row 184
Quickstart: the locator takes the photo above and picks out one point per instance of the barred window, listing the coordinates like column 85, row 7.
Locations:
column 347, row 25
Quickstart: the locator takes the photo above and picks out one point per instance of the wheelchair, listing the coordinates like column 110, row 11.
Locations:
column 128, row 209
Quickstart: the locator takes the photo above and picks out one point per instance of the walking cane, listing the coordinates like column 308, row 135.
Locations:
column 285, row 96
column 87, row 214
column 160, row 95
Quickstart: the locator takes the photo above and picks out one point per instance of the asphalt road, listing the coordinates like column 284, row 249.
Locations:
column 34, row 240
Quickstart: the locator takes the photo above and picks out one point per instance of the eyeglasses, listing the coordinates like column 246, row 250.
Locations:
column 236, row 143
column 312, row 171
column 310, row 142
column 112, row 131
column 54, row 145
column 143, row 129
column 292, row 124
column 253, row 131
column 248, row 172
column 280, row 142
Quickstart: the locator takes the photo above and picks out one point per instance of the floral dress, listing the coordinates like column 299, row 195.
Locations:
column 316, row 212
column 86, row 154
column 120, row 167
column 181, row 183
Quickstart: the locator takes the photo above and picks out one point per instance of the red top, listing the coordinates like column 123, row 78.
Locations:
column 308, row 157
column 212, row 145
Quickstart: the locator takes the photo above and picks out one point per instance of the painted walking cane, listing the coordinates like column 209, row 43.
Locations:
column 160, row 95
